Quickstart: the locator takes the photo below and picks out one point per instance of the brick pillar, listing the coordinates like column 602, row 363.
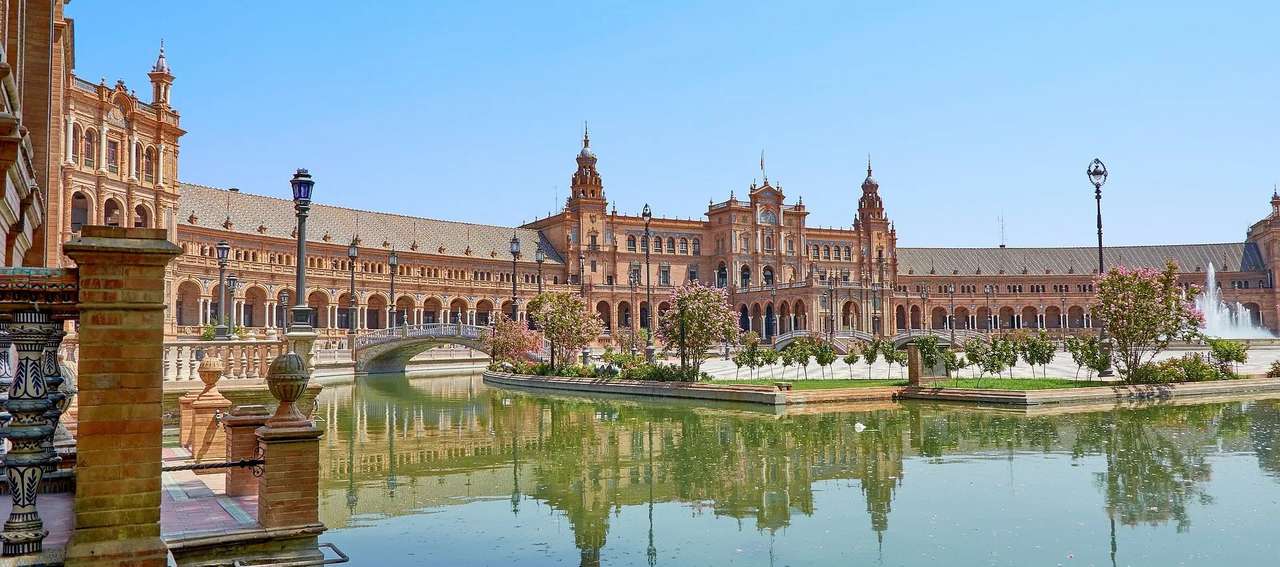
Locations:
column 185, row 417
column 289, row 488
column 208, row 441
column 242, row 443
column 117, row 500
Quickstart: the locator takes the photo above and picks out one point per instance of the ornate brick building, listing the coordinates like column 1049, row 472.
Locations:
column 117, row 164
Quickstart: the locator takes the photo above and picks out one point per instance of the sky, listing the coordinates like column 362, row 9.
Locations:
column 971, row 112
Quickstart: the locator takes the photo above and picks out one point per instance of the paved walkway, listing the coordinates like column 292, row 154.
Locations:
column 197, row 503
column 1260, row 359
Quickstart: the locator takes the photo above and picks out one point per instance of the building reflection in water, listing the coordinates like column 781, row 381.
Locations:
column 398, row 446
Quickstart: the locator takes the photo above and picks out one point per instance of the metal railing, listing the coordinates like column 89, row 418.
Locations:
column 423, row 331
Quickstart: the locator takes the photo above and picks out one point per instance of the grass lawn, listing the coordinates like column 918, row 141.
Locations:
column 820, row 384
column 1016, row 383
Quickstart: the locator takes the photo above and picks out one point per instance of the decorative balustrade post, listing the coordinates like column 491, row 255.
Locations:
column 288, row 491
column 28, row 401
column 6, row 378
column 121, row 274
column 57, row 398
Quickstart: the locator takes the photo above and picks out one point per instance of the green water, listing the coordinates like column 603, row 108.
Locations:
column 450, row 472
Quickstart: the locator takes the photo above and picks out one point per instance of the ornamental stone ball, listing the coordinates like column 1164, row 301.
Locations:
column 287, row 379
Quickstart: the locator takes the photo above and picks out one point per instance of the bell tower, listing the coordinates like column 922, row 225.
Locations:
column 586, row 188
column 161, row 80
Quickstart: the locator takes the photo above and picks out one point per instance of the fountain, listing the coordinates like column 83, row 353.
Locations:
column 1226, row 321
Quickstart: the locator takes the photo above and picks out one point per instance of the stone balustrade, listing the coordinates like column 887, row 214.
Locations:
column 241, row 359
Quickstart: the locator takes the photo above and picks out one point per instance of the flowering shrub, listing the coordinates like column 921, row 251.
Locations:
column 566, row 322
column 1143, row 310
column 699, row 317
column 510, row 341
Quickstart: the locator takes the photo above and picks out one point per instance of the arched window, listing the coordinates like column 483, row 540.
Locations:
column 657, row 244
column 744, row 245
column 697, row 247
column 671, row 245
column 815, row 251
column 79, row 211
column 848, row 254
column 141, row 217
column 149, row 165
column 631, row 242
column 684, row 245
column 768, row 242
column 90, row 148
column 746, row 276
column 111, row 213
column 77, row 137
column 135, row 162
column 767, row 274
column 826, row 252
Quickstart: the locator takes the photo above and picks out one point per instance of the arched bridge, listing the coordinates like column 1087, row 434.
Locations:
column 389, row 350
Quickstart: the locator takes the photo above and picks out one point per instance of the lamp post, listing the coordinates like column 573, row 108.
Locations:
column 302, row 184
column 230, row 294
column 1062, row 320
column 284, row 298
column 582, row 275
column 539, row 256
column 515, row 254
column 1097, row 173
column 352, row 254
column 951, row 313
column 773, row 306
column 647, row 215
column 986, row 290
column 924, row 308
column 634, row 279
column 223, row 249
column 394, row 261
column 831, row 307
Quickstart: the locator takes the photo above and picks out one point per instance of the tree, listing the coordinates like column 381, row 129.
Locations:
column 788, row 358
column 851, row 359
column 769, row 357
column 1005, row 349
column 1143, row 310
column 952, row 362
column 976, row 351
column 870, row 351
column 824, row 354
column 927, row 346
column 1227, row 353
column 890, row 353
column 1038, row 350
column 511, row 341
column 699, row 317
column 1075, row 347
column 566, row 323
column 801, row 351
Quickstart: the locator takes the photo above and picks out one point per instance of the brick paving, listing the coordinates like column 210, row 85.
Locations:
column 197, row 503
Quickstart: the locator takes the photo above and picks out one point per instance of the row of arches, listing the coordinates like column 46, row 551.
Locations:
column 767, row 320
column 254, row 307
column 746, row 276
column 1005, row 317
column 113, row 213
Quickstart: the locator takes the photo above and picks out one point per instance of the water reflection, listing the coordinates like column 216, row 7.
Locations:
column 396, row 447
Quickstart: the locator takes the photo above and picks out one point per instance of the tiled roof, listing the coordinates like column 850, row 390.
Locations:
column 277, row 219
column 1231, row 256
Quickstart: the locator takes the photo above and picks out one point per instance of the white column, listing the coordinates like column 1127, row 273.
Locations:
column 102, row 145
column 417, row 315
column 160, row 165
column 71, row 136
column 133, row 155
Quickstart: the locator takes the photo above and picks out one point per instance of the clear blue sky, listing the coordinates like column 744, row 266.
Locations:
column 473, row 110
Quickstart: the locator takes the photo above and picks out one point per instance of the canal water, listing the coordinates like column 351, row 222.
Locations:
column 447, row 471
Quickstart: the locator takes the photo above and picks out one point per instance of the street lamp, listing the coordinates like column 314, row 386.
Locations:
column 302, row 186
column 232, row 283
column 924, row 309
column 582, row 275
column 515, row 253
column 1062, row 319
column 647, row 215
column 394, row 261
column 634, row 279
column 1097, row 173
column 284, row 297
column 773, row 306
column 352, row 254
column 951, row 314
column 987, row 290
column 539, row 256
column 831, row 306
column 224, row 249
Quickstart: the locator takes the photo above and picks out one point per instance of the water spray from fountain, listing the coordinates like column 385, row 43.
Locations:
column 1226, row 321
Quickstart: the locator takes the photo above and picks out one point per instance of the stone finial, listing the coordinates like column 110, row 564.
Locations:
column 210, row 371
column 287, row 379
